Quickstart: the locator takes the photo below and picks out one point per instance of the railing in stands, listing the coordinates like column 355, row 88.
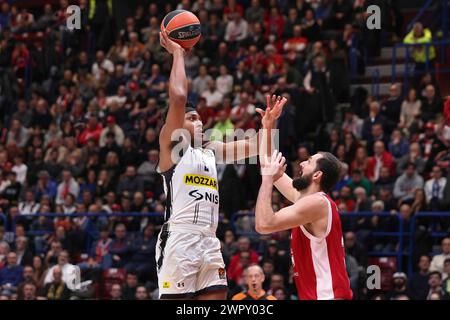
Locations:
column 375, row 87
column 3, row 219
column 400, row 233
column 434, row 15
column 433, row 234
column 410, row 70
column 90, row 236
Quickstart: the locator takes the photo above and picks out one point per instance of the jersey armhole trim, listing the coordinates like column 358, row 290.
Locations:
column 329, row 223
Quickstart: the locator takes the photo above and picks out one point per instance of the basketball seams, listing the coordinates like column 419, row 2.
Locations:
column 178, row 15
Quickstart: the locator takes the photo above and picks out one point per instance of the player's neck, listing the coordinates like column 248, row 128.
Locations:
column 312, row 189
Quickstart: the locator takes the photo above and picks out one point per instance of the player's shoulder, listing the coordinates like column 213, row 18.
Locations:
column 239, row 296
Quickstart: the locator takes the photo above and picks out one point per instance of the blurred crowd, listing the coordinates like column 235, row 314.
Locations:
column 81, row 111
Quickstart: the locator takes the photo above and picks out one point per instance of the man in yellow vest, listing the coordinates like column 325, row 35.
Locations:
column 421, row 35
column 100, row 16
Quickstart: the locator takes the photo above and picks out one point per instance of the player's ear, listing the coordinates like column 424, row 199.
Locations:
column 317, row 175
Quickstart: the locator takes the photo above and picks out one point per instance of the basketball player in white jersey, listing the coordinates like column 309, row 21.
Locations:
column 189, row 260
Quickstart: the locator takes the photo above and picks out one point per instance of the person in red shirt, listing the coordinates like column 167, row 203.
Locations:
column 233, row 7
column 381, row 158
column 206, row 114
column 274, row 23
column 345, row 196
column 20, row 59
column 297, row 43
column 243, row 245
column 93, row 131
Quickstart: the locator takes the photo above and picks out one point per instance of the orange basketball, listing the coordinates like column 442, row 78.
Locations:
column 183, row 27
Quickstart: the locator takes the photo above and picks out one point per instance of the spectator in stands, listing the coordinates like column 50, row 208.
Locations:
column 431, row 104
column 100, row 256
column 434, row 189
column 11, row 192
column 362, row 202
column 380, row 158
column 400, row 286
column 398, row 146
column 142, row 293
column 113, row 128
column 410, row 111
column 67, row 186
column 446, row 281
column 375, row 117
column 414, row 156
column 130, row 286
column 276, row 282
column 354, row 248
column 130, row 181
column 29, row 291
column 437, row 263
column 67, row 269
column 419, row 281
column 358, row 180
column 392, row 107
column 116, row 292
column 24, row 255
column 407, row 183
column 101, row 63
column 352, row 123
column 143, row 254
column 435, row 284
column 422, row 53
column 236, row 29
column 11, row 274
column 57, row 288
column 212, row 95
column 120, row 247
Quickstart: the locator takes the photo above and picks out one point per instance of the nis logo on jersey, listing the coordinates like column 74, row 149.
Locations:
column 200, row 180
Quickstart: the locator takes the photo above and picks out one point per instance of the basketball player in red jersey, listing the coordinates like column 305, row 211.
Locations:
column 317, row 245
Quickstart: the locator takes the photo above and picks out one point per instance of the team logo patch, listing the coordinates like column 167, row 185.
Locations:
column 166, row 284
column 200, row 180
column 221, row 273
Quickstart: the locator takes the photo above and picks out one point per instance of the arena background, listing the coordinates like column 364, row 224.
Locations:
column 79, row 138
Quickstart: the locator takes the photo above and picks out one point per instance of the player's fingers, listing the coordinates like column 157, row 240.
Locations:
column 266, row 159
column 268, row 101
column 274, row 100
column 274, row 155
column 283, row 161
column 284, row 167
column 279, row 156
column 260, row 111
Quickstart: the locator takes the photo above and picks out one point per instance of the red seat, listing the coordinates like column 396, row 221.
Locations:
column 110, row 277
column 388, row 266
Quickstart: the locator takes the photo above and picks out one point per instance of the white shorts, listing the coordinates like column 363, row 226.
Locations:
column 189, row 263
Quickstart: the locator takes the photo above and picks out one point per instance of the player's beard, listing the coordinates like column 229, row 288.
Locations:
column 303, row 182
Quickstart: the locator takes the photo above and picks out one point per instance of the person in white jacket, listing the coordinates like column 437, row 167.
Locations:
column 437, row 264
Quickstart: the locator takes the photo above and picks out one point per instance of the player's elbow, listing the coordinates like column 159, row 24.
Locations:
column 262, row 227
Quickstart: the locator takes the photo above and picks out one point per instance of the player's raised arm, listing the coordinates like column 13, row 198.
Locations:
column 306, row 210
column 177, row 100
column 237, row 150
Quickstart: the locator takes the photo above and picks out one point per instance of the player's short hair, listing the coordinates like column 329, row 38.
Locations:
column 187, row 108
column 331, row 168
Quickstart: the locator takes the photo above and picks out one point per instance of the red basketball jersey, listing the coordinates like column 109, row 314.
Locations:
column 319, row 263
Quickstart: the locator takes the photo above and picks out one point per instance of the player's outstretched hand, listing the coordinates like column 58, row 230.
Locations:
column 275, row 166
column 170, row 45
column 273, row 110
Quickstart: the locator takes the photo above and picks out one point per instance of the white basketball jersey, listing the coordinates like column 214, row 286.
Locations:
column 192, row 190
